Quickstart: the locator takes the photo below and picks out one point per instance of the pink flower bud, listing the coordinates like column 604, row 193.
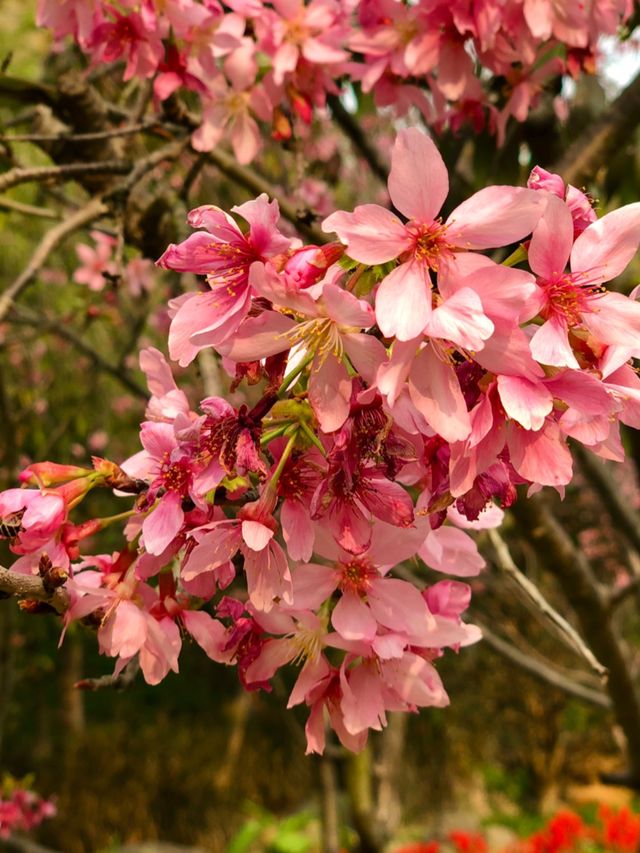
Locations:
column 307, row 266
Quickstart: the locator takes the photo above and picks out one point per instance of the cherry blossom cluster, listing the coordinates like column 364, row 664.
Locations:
column 276, row 62
column 22, row 810
column 405, row 383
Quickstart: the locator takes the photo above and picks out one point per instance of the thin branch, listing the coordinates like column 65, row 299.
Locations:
column 31, row 587
column 505, row 563
column 605, row 136
column 351, row 128
column 127, row 130
column 112, row 682
column 58, row 327
column 580, row 586
column 94, row 209
column 21, row 175
column 542, row 671
column 330, row 823
column 168, row 152
column 28, row 209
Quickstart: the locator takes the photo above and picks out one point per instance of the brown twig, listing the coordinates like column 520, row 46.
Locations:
column 505, row 563
column 112, row 682
column 31, row 587
column 542, row 671
column 127, row 130
column 14, row 206
column 21, row 175
column 579, row 584
column 255, row 183
column 620, row 511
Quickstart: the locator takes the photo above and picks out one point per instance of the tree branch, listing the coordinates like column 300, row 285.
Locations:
column 20, row 175
column 619, row 510
column 542, row 671
column 28, row 209
column 505, row 563
column 31, row 587
column 126, row 130
column 575, row 575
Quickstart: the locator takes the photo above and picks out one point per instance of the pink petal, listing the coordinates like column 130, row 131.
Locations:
column 418, row 183
column 606, row 247
column 403, row 301
column 346, row 309
column 257, row 536
column 495, row 216
column 614, row 320
column 352, row 619
column 415, row 681
column 163, row 523
column 552, row 240
column 297, row 530
column 452, row 551
column 550, row 344
column 541, row 457
column 461, row 320
column 330, row 393
column 525, row 401
column 268, row 577
column 398, row 605
column 372, row 234
column 209, row 634
column 435, row 392
column 366, row 353
column 258, row 337
column 274, row 654
column 506, row 293
column 312, row 585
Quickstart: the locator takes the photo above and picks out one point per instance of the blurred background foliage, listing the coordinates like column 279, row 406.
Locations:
column 196, row 761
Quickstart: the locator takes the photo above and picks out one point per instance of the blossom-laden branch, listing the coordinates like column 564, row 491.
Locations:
column 409, row 384
column 277, row 66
